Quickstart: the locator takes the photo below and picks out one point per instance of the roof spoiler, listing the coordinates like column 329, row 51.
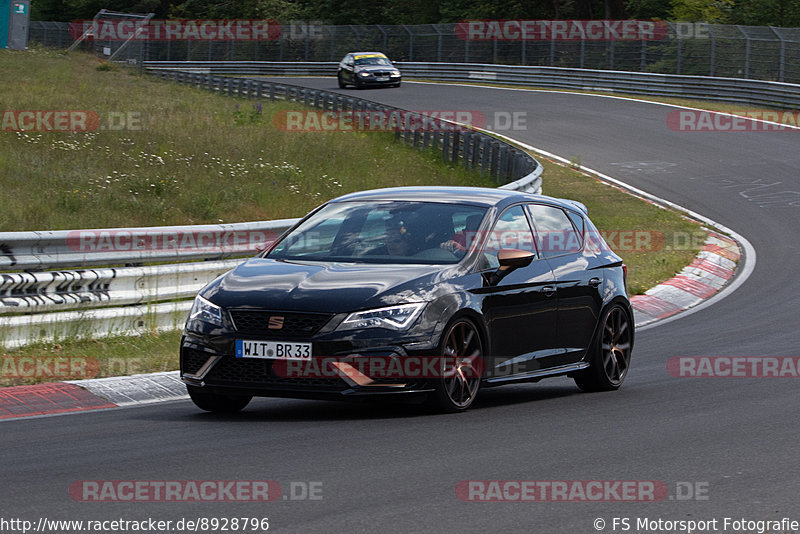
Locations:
column 580, row 205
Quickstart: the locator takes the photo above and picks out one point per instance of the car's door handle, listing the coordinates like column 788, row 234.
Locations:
column 594, row 282
column 548, row 291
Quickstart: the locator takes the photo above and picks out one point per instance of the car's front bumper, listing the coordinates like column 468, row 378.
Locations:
column 373, row 81
column 337, row 370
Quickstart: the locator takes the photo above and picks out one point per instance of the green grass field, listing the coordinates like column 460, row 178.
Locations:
column 199, row 159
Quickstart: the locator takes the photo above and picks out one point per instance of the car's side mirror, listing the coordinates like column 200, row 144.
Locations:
column 513, row 258
column 509, row 259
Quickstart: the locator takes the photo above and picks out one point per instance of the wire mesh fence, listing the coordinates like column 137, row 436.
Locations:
column 751, row 52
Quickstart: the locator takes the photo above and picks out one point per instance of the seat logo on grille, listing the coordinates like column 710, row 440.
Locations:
column 275, row 322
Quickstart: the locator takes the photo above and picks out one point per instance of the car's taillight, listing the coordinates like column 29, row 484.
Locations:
column 625, row 274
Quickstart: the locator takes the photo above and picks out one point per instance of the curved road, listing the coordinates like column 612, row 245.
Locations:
column 395, row 469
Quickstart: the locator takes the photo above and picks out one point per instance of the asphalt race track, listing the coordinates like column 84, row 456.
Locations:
column 395, row 468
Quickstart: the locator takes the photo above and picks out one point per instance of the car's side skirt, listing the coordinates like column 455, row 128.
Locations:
column 536, row 375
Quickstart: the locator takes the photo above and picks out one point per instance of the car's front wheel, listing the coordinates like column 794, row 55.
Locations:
column 340, row 78
column 461, row 367
column 610, row 354
column 213, row 402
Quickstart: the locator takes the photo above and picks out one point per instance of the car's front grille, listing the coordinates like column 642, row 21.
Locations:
column 278, row 325
column 380, row 73
column 257, row 372
column 192, row 360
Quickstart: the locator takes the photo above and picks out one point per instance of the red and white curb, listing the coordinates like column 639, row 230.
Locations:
column 93, row 394
column 710, row 271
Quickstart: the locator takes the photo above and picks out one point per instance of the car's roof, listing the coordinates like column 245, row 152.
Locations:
column 367, row 53
column 484, row 196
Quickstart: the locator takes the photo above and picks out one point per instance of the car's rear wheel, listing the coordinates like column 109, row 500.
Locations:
column 610, row 354
column 213, row 402
column 461, row 367
column 339, row 77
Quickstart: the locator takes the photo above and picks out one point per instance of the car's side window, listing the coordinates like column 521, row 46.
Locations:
column 555, row 233
column 510, row 231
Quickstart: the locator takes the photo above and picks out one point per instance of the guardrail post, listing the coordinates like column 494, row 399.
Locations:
column 468, row 148
column 485, row 153
column 446, row 146
column 493, row 159
column 457, row 140
column 502, row 164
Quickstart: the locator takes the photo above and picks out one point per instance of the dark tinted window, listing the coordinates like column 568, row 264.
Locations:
column 383, row 232
column 577, row 222
column 510, row 231
column 555, row 234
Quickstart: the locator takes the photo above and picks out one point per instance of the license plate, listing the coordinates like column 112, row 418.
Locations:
column 273, row 350
column 382, row 78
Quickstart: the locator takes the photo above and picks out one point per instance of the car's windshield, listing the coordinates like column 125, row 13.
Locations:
column 383, row 232
column 372, row 60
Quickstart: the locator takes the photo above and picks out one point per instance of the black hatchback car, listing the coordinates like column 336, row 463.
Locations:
column 434, row 291
column 367, row 69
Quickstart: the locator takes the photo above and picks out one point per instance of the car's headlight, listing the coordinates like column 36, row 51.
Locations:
column 393, row 317
column 364, row 74
column 203, row 310
column 395, row 73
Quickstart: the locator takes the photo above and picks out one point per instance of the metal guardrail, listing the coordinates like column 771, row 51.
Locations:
column 750, row 92
column 44, row 305
column 28, row 251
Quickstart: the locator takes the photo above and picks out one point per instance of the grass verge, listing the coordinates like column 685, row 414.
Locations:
column 166, row 154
